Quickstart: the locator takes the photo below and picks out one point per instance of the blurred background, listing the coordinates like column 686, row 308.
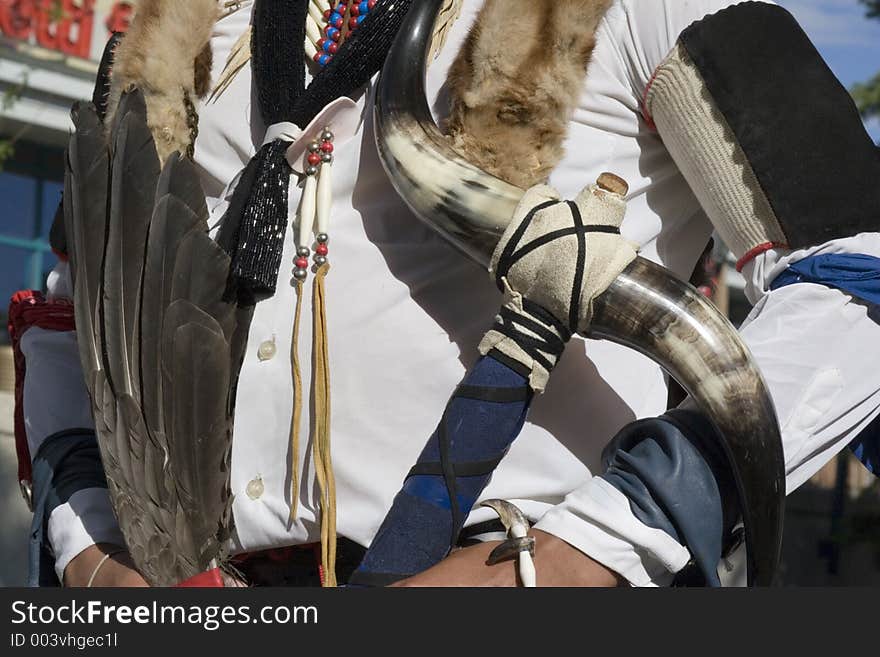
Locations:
column 49, row 50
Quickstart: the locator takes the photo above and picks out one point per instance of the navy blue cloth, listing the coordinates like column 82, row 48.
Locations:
column 453, row 469
column 866, row 446
column 66, row 462
column 676, row 478
column 859, row 275
column 854, row 273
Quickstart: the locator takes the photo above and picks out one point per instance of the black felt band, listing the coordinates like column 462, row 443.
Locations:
column 798, row 126
column 469, row 469
column 497, row 395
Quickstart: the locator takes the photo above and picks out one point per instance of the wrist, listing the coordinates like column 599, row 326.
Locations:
column 104, row 565
column 559, row 563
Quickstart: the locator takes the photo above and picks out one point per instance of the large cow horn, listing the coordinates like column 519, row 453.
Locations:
column 646, row 308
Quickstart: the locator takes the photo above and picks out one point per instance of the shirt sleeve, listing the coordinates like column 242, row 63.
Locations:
column 651, row 29
column 56, row 400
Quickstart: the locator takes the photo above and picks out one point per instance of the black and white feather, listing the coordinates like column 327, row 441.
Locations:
column 159, row 346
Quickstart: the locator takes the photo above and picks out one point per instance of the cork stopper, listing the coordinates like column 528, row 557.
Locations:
column 612, row 183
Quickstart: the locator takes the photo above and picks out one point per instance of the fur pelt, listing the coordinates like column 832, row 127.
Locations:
column 167, row 54
column 516, row 82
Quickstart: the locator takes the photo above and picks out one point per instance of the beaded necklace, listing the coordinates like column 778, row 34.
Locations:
column 328, row 26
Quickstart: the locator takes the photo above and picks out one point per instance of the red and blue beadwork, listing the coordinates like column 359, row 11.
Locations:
column 334, row 20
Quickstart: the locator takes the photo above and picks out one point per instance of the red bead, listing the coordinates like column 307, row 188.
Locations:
column 314, row 159
column 321, row 43
column 327, row 147
column 336, row 36
column 301, row 263
column 322, row 250
column 317, row 55
column 334, row 48
column 371, row 3
column 327, row 13
column 338, row 23
column 355, row 10
column 352, row 22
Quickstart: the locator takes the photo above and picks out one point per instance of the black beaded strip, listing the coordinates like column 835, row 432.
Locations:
column 256, row 241
column 253, row 228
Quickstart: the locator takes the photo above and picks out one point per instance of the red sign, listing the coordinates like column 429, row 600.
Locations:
column 65, row 26
column 119, row 18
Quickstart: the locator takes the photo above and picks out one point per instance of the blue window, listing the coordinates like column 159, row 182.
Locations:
column 30, row 189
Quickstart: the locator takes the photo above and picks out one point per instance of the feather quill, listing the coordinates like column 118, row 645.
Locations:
column 134, row 176
column 86, row 178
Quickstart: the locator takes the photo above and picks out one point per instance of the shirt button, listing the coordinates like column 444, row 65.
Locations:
column 255, row 488
column 267, row 350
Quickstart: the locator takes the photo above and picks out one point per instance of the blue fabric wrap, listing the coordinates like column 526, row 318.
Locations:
column 473, row 436
column 854, row 273
column 677, row 479
column 67, row 462
column 859, row 275
column 866, row 446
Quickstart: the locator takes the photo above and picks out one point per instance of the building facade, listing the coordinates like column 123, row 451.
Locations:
column 49, row 52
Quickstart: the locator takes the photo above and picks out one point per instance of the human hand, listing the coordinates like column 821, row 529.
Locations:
column 557, row 563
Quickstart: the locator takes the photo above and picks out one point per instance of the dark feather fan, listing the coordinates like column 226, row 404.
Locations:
column 160, row 348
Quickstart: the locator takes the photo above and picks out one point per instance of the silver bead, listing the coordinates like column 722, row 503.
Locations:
column 311, row 171
column 327, row 135
column 314, row 147
column 327, row 158
column 300, row 274
column 322, row 238
column 303, row 252
column 320, row 260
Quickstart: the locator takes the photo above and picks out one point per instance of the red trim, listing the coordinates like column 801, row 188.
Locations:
column 63, row 257
column 758, row 250
column 30, row 308
column 645, row 114
column 211, row 579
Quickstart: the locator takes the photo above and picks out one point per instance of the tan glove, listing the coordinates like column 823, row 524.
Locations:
column 559, row 256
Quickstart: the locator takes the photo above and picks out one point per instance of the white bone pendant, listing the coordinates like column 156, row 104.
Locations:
column 325, row 197
column 311, row 49
column 316, row 13
column 307, row 211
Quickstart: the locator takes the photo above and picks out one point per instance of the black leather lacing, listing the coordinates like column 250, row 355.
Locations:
column 513, row 253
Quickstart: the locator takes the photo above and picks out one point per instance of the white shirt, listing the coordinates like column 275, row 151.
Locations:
column 406, row 311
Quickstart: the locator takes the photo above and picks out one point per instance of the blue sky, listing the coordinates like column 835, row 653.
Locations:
column 849, row 42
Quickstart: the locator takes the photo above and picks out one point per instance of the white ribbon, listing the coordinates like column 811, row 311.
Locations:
column 284, row 130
